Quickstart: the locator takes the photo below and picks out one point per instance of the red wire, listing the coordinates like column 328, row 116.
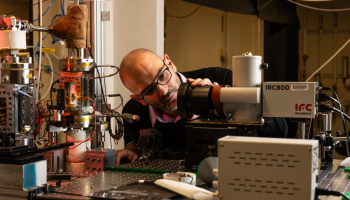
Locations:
column 92, row 104
column 40, row 111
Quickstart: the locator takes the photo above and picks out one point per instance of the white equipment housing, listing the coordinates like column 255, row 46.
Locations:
column 267, row 168
column 289, row 99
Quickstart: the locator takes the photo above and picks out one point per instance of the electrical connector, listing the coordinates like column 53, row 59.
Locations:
column 322, row 97
column 24, row 93
column 324, row 108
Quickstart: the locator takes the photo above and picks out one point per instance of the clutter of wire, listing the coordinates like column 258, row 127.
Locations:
column 36, row 47
column 336, row 100
column 119, row 128
column 40, row 115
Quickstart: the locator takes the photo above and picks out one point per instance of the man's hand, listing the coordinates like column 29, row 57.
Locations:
column 124, row 153
column 200, row 82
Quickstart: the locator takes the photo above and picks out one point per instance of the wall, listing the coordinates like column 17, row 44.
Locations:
column 134, row 24
column 197, row 41
column 319, row 44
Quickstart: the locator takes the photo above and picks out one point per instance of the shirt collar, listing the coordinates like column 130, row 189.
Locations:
column 157, row 114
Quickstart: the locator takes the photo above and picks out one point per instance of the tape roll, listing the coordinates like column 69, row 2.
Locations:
column 185, row 177
column 75, row 158
column 13, row 39
column 78, row 152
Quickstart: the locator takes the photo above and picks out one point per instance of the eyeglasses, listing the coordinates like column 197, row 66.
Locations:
column 162, row 79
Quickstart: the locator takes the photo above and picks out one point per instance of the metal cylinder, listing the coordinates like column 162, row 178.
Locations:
column 80, row 53
column 246, row 71
column 41, row 28
column 52, row 137
column 345, row 67
column 24, row 141
column 329, row 124
column 12, row 59
column 302, row 130
column 57, row 115
column 324, row 123
column 27, row 60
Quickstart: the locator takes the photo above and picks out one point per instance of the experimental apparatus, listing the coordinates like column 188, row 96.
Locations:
column 242, row 109
column 73, row 116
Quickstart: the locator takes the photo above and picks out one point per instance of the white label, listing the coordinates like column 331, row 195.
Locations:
column 299, row 87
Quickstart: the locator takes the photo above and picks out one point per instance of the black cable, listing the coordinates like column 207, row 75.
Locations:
column 338, row 111
column 344, row 196
column 184, row 16
column 120, row 125
column 51, row 90
column 327, row 192
column 24, row 8
column 311, row 135
column 341, row 109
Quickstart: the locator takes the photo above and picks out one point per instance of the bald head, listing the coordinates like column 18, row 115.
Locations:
column 138, row 67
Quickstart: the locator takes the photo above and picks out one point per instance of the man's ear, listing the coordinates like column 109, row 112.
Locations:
column 169, row 62
column 138, row 99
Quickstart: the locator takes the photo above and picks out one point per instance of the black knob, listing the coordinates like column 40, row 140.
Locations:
column 264, row 66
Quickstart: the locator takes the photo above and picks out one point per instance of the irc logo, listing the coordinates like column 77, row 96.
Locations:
column 303, row 107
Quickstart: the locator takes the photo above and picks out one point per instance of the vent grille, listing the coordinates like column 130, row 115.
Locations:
column 265, row 159
column 264, row 186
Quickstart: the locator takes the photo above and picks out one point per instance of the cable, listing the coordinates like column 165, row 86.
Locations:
column 344, row 196
column 319, row 9
column 54, row 55
column 36, row 47
column 184, row 16
column 263, row 6
column 341, row 109
column 120, row 125
column 338, row 111
column 62, row 7
column 51, row 90
column 327, row 192
column 121, row 103
column 310, row 126
column 331, row 58
column 44, row 12
column 24, row 8
column 48, row 89
column 54, row 40
column 40, row 49
column 110, row 75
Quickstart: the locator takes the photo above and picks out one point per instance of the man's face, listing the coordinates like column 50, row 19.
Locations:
column 146, row 72
column 166, row 99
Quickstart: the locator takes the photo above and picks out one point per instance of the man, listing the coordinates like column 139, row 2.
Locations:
column 154, row 83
